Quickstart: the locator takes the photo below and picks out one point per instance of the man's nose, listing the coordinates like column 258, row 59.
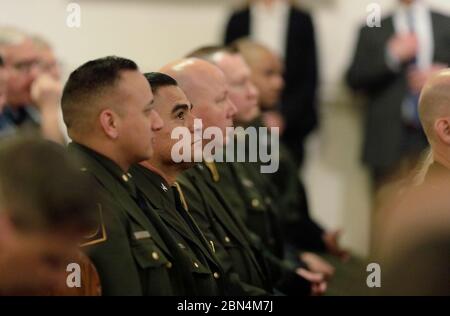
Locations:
column 253, row 91
column 232, row 110
column 156, row 121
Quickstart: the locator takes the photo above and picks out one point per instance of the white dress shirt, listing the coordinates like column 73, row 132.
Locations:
column 269, row 25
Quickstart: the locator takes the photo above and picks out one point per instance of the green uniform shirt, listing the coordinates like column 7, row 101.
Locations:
column 132, row 251
column 165, row 200
column 225, row 230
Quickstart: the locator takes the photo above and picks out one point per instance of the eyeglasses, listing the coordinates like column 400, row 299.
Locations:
column 25, row 67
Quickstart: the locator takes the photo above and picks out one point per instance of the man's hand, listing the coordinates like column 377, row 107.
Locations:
column 417, row 77
column 403, row 47
column 317, row 264
column 46, row 92
column 331, row 240
column 274, row 119
column 317, row 280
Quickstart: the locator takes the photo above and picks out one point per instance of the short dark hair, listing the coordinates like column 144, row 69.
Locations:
column 41, row 186
column 206, row 52
column 1, row 61
column 87, row 82
column 158, row 80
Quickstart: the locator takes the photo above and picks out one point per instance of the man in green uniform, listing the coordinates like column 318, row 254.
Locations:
column 215, row 111
column 301, row 231
column 156, row 178
column 108, row 109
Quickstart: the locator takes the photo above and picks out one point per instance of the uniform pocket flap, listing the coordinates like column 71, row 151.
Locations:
column 148, row 255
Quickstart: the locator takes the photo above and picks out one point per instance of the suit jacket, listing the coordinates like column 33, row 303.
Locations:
column 386, row 89
column 133, row 255
column 301, row 73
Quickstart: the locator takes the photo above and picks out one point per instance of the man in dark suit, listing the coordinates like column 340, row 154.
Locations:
column 390, row 66
column 289, row 32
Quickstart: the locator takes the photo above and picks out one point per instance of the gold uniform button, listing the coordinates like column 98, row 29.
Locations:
column 227, row 239
column 155, row 255
column 196, row 265
column 216, row 275
column 169, row 265
column 255, row 202
column 125, row 178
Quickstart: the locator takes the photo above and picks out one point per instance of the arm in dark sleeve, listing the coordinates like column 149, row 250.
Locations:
column 113, row 259
column 237, row 26
column 299, row 98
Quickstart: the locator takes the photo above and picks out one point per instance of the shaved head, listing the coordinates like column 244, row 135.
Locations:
column 195, row 77
column 435, row 102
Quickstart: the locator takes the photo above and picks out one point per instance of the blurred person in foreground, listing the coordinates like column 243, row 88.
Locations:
column 33, row 87
column 418, row 262
column 45, row 213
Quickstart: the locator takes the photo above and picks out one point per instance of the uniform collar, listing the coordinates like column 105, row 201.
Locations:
column 125, row 178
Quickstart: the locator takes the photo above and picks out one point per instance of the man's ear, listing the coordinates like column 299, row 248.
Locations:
column 109, row 122
column 442, row 129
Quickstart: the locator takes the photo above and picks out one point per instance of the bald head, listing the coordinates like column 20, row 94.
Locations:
column 435, row 102
column 206, row 87
column 195, row 77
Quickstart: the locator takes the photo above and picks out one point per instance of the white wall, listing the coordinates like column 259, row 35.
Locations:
column 154, row 32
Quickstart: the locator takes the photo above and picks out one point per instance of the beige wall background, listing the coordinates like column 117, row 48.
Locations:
column 154, row 32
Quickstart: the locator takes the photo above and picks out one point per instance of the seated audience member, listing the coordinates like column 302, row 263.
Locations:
column 33, row 95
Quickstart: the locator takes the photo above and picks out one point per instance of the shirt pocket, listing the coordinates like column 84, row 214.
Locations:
column 197, row 266
column 148, row 255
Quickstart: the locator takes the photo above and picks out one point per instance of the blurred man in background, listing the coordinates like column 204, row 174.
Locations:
column 33, row 91
column 301, row 230
column 390, row 66
column 289, row 32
